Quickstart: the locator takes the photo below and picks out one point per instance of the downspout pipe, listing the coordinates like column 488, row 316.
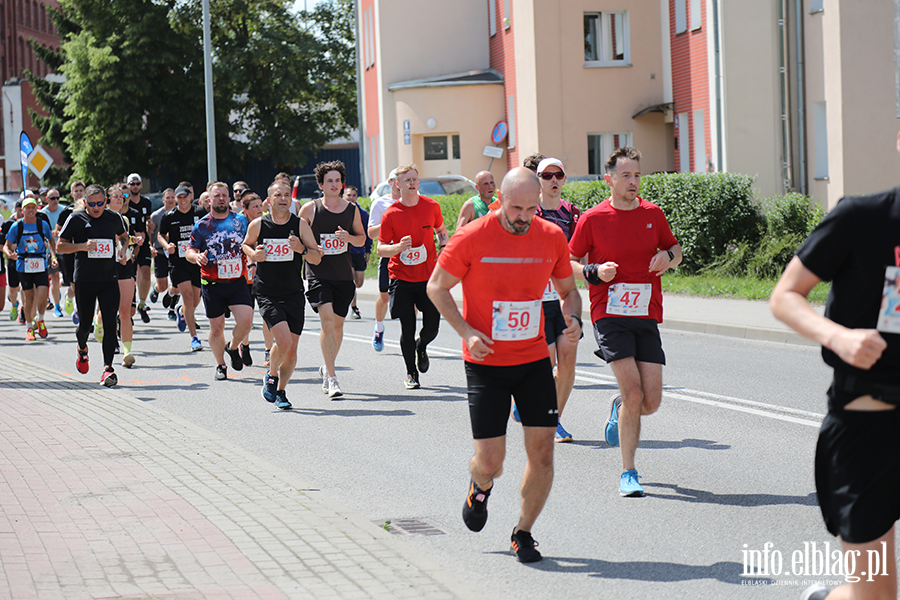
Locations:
column 801, row 96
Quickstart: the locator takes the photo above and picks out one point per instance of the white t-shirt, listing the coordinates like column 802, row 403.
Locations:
column 376, row 211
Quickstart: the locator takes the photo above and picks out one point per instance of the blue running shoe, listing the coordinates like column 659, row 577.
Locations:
column 282, row 401
column 57, row 311
column 154, row 296
column 75, row 317
column 182, row 323
column 629, row 486
column 515, row 413
column 270, row 388
column 378, row 341
column 195, row 344
column 561, row 434
column 612, row 423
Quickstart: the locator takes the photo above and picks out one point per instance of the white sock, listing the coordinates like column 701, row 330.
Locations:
column 379, row 326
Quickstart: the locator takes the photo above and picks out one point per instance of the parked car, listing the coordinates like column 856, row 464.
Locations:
column 442, row 185
column 307, row 188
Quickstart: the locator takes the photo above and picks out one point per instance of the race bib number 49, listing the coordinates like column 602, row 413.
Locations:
column 629, row 299
column 414, row 256
column 331, row 245
column 230, row 268
column 104, row 249
column 278, row 250
column 512, row 321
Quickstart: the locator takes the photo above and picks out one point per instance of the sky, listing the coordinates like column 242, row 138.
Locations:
column 305, row 4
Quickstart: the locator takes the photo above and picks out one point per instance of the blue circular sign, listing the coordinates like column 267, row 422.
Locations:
column 499, row 132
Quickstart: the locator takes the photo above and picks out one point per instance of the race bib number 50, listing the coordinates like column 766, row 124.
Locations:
column 278, row 250
column 331, row 245
column 515, row 320
column 104, row 249
column 629, row 299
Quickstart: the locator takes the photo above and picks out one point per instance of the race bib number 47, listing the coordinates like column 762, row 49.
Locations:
column 512, row 321
column 331, row 245
column 629, row 299
column 104, row 249
column 278, row 250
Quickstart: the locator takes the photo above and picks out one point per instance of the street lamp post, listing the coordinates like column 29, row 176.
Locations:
column 207, row 76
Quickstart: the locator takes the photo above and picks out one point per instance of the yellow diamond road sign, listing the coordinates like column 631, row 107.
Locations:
column 39, row 161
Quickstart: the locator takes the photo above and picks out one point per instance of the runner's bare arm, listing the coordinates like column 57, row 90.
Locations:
column 64, row 246
column 443, row 236
column 10, row 250
column 249, row 246
column 307, row 212
column 660, row 263
column 466, row 214
column 857, row 347
column 314, row 252
column 439, row 286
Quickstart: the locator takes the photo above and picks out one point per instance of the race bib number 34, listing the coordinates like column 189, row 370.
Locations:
column 629, row 299
column 513, row 321
column 104, row 249
column 414, row 256
column 331, row 245
column 230, row 268
column 278, row 250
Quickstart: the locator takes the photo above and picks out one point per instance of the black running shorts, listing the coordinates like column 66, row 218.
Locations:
column 161, row 265
column 492, row 388
column 338, row 293
column 220, row 295
column 625, row 337
column 384, row 278
column 30, row 281
column 288, row 309
column 554, row 322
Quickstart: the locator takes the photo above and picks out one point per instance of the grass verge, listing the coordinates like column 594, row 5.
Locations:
column 743, row 288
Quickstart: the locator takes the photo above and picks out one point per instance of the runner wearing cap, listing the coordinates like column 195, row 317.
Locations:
column 67, row 261
column 144, row 256
column 54, row 210
column 175, row 236
column 278, row 242
column 334, row 223
column 376, row 211
column 215, row 246
column 628, row 244
column 407, row 238
column 27, row 242
column 126, row 270
column 97, row 237
column 504, row 261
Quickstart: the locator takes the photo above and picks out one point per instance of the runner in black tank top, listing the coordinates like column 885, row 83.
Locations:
column 278, row 242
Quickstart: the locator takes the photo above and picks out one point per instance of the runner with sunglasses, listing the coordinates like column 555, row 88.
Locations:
column 97, row 238
column 126, row 271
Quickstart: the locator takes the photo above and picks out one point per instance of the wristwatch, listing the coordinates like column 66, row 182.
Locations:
column 671, row 255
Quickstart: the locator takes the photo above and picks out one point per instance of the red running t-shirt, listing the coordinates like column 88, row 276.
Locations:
column 503, row 278
column 419, row 222
column 629, row 238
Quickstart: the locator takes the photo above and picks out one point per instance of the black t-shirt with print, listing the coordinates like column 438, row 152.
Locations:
column 80, row 228
column 176, row 226
column 852, row 247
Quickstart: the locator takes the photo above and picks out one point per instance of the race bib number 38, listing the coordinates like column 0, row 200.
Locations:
column 230, row 268
column 513, row 321
column 278, row 250
column 629, row 299
column 104, row 249
column 331, row 245
column 414, row 256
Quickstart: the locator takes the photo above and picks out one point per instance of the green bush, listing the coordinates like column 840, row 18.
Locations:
column 585, row 194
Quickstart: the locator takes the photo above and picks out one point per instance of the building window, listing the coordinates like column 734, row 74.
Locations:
column 492, row 16
column 699, row 141
column 696, row 15
column 435, row 147
column 606, row 38
column 511, row 121
column 680, row 16
column 682, row 123
column 816, row 6
column 601, row 145
column 456, row 147
column 507, row 14
column 820, row 131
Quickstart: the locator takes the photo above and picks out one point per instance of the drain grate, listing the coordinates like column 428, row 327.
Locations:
column 410, row 526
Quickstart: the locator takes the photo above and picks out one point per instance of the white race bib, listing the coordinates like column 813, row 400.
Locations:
column 34, row 265
column 104, row 249
column 629, row 299
column 515, row 320
column 331, row 245
column 230, row 268
column 889, row 314
column 550, row 293
column 278, row 250
column 414, row 256
column 182, row 248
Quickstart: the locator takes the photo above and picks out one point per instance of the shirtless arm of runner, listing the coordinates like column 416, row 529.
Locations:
column 660, row 262
column 860, row 348
column 9, row 249
column 64, row 246
column 314, row 253
column 606, row 271
column 373, row 231
column 307, row 212
column 389, row 250
column 195, row 256
column 256, row 253
column 571, row 306
column 466, row 214
column 164, row 242
column 439, row 286
column 443, row 236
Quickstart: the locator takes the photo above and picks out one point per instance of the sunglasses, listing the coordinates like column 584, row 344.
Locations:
column 549, row 176
column 52, row 197
column 94, row 204
column 134, row 183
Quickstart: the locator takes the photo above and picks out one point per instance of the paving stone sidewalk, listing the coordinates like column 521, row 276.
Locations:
column 104, row 496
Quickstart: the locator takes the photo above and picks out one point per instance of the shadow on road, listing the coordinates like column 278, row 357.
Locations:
column 350, row 412
column 660, row 444
column 690, row 495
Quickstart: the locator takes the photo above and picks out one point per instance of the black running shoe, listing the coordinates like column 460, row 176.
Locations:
column 245, row 355
column 221, row 373
column 422, row 362
column 475, row 509
column 525, row 547
column 236, row 363
column 144, row 312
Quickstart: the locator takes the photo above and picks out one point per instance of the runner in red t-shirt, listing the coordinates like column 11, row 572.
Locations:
column 629, row 245
column 504, row 261
column 407, row 238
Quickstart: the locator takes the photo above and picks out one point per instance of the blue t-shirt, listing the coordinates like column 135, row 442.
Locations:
column 30, row 241
column 367, row 247
column 221, row 239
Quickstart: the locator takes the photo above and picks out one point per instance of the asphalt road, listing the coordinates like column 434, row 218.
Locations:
column 726, row 462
